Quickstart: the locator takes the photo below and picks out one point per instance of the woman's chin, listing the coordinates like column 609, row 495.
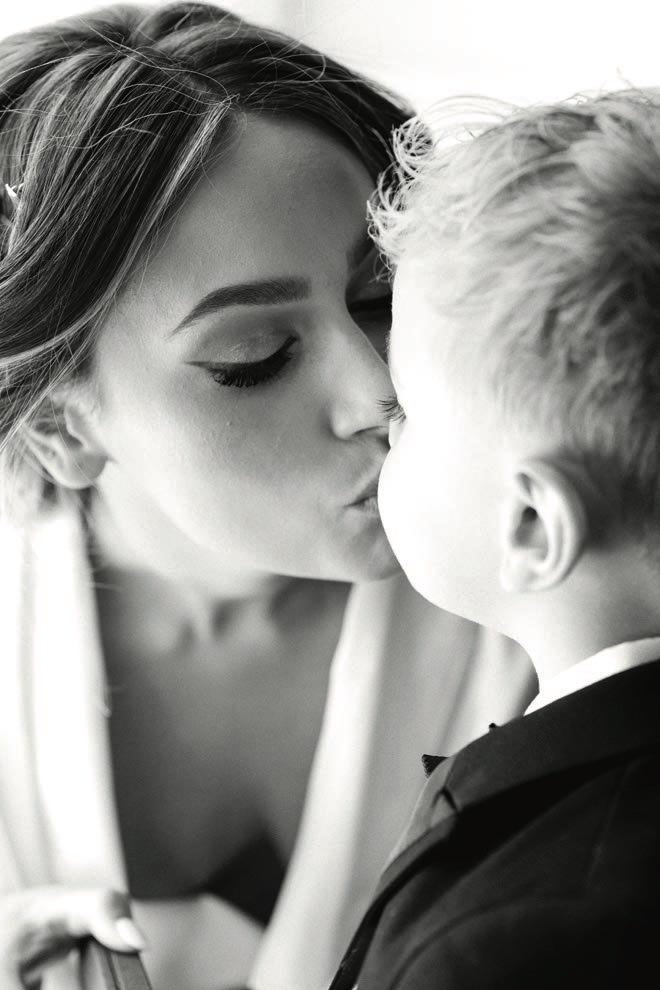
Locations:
column 371, row 558
column 383, row 569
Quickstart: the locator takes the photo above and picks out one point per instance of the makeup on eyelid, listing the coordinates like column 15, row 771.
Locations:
column 250, row 373
column 247, row 374
column 252, row 357
column 241, row 326
column 240, row 336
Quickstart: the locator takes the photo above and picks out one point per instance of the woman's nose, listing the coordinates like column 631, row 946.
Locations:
column 360, row 382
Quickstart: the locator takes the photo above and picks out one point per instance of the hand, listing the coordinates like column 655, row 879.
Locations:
column 42, row 924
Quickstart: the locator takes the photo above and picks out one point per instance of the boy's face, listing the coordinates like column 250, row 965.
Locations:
column 442, row 483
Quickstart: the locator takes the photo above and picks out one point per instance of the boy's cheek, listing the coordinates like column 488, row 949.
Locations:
column 390, row 497
column 398, row 497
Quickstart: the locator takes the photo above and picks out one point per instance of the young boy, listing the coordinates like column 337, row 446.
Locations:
column 523, row 492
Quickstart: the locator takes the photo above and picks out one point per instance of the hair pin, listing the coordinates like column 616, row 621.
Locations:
column 9, row 200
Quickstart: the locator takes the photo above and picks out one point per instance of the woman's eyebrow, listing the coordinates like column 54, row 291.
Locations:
column 263, row 292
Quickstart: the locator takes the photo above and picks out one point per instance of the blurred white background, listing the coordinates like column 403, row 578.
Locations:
column 517, row 50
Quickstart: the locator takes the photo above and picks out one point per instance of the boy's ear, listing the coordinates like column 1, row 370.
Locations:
column 61, row 438
column 545, row 528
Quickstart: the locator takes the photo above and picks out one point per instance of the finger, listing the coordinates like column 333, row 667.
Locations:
column 20, row 967
column 107, row 916
column 39, row 926
column 31, row 969
column 26, row 941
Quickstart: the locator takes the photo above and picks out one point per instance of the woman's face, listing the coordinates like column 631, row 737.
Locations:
column 239, row 378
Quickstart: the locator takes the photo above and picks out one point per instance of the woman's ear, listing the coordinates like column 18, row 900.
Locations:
column 545, row 528
column 61, row 438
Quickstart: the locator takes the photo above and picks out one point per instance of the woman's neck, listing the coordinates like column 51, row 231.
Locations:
column 177, row 585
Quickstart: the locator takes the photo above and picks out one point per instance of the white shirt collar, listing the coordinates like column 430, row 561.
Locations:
column 613, row 660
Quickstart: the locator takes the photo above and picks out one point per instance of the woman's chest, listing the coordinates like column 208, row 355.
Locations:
column 211, row 754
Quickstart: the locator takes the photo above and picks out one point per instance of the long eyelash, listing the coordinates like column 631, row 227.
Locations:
column 247, row 374
column 392, row 409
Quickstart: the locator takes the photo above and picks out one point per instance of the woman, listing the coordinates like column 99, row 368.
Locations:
column 192, row 336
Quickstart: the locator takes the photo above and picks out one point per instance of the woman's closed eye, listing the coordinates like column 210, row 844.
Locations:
column 248, row 374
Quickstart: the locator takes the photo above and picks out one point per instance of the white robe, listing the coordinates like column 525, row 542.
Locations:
column 406, row 679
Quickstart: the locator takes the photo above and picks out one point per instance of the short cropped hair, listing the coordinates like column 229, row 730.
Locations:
column 541, row 232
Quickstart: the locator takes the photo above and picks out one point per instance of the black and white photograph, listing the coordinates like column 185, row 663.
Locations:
column 329, row 495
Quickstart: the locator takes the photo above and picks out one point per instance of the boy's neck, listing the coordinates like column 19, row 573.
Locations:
column 603, row 603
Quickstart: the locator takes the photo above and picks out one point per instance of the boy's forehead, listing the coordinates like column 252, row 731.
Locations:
column 414, row 335
column 400, row 319
column 431, row 348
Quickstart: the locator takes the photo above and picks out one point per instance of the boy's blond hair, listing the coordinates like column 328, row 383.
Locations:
column 540, row 235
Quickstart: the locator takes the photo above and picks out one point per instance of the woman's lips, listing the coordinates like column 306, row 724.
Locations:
column 368, row 505
column 367, row 501
column 368, row 493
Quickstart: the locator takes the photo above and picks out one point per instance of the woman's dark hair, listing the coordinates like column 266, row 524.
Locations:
column 106, row 121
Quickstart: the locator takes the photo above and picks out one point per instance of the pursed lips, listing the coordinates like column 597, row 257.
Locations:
column 370, row 491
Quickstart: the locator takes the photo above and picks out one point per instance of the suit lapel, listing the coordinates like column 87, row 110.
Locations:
column 600, row 723
column 392, row 880
column 608, row 720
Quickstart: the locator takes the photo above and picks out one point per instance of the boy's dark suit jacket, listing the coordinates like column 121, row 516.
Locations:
column 536, row 862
